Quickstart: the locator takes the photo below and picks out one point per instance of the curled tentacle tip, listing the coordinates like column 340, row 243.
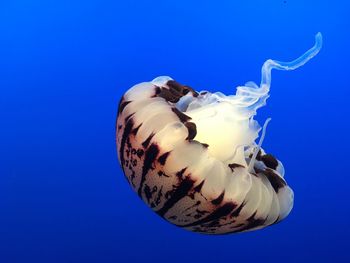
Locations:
column 319, row 41
column 318, row 36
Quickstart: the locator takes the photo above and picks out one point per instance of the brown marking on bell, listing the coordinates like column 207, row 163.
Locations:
column 161, row 173
column 219, row 199
column 163, row 157
column 270, row 161
column 157, row 90
column 167, row 95
column 121, row 101
column 129, row 116
column 150, row 156
column 275, row 180
column 172, row 84
column 123, row 105
column 253, row 222
column 180, row 192
column 236, row 212
column 139, row 153
column 182, row 117
column 218, row 213
column 196, row 189
column 204, row 145
column 128, row 127
column 148, row 193
column 194, row 93
column 181, row 173
column 192, row 130
column 135, row 130
column 232, row 166
column 176, row 93
column 148, row 140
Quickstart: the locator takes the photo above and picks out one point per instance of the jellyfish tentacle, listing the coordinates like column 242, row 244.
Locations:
column 257, row 149
column 291, row 65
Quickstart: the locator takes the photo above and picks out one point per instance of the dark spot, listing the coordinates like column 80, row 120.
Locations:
column 220, row 212
column 192, row 130
column 159, row 196
column 134, row 131
column 148, row 193
column 194, row 93
column 183, row 89
column 204, row 145
column 123, row 105
column 236, row 212
column 219, row 199
column 163, row 157
column 176, row 93
column 148, row 140
column 172, row 84
column 181, row 173
column 129, row 116
column 121, row 101
column 253, row 222
column 139, row 153
column 128, row 144
column 200, row 213
column 160, row 174
column 167, row 95
column 277, row 220
column 182, row 117
column 198, row 188
column 270, row 161
column 150, row 156
column 275, row 180
column 181, row 191
column 125, row 135
column 158, row 90
column 232, row 166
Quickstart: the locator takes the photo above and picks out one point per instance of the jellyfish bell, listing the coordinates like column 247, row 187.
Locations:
column 192, row 156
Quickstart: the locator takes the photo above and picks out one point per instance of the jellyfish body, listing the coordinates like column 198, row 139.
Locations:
column 192, row 157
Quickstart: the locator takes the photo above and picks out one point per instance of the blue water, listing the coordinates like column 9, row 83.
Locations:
column 65, row 64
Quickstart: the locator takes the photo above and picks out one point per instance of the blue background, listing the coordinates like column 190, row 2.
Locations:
column 65, row 64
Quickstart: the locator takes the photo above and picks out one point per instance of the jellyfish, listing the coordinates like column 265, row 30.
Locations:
column 196, row 159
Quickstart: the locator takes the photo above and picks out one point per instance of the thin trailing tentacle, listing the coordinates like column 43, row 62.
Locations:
column 257, row 149
column 251, row 97
column 274, row 64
